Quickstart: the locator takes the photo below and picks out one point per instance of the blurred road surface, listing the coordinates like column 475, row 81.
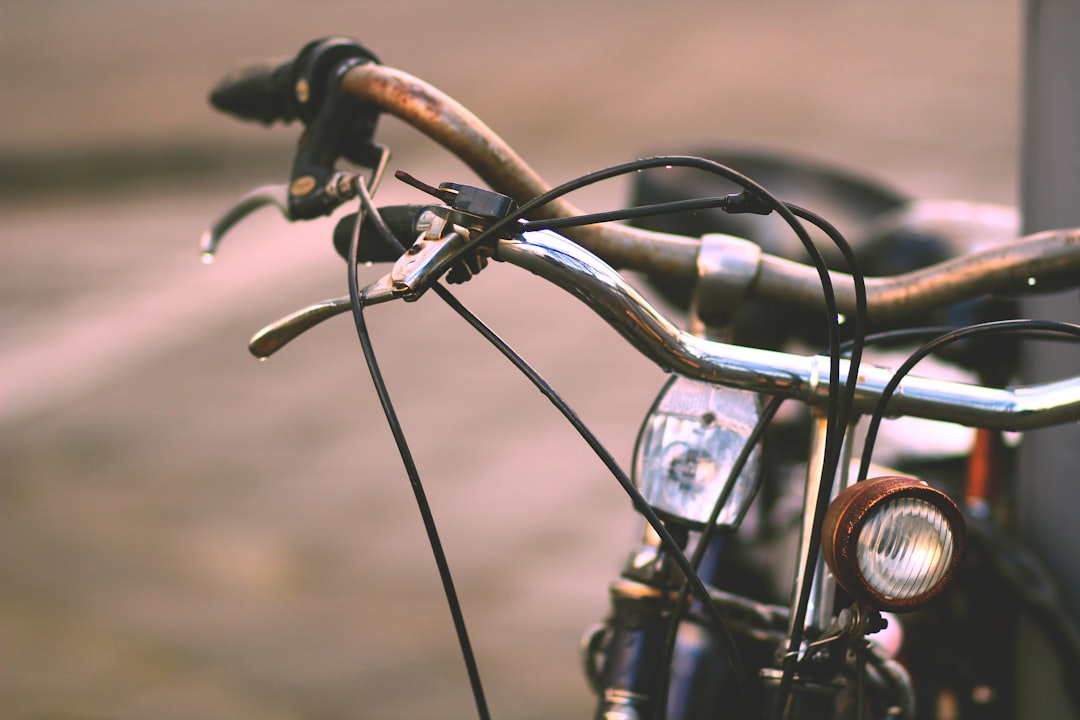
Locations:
column 188, row 533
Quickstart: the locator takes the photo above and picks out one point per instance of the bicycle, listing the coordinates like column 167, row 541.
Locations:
column 686, row 636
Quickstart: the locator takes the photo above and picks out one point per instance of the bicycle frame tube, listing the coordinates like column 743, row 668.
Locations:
column 823, row 586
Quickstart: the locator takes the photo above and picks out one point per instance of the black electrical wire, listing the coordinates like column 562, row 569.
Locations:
column 835, row 426
column 898, row 336
column 835, row 431
column 410, row 466
column 887, row 337
column 999, row 327
column 742, row 680
column 664, row 208
column 751, row 201
column 752, row 441
column 755, row 199
column 989, row 328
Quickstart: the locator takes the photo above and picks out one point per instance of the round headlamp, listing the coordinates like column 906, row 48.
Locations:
column 893, row 542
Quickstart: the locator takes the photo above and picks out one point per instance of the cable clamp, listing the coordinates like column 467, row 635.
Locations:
column 726, row 268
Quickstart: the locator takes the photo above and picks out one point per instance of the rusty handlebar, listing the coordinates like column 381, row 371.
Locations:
column 1042, row 261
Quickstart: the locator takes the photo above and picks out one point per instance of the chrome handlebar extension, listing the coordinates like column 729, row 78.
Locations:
column 805, row 378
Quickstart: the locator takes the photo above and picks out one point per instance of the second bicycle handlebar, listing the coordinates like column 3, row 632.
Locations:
column 1040, row 262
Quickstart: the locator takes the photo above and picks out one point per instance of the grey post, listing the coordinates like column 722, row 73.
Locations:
column 1049, row 492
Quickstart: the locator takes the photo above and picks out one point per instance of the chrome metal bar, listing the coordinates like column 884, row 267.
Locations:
column 806, row 378
column 819, row 610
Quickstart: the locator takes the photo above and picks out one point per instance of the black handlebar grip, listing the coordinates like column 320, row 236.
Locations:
column 285, row 90
column 372, row 246
column 261, row 91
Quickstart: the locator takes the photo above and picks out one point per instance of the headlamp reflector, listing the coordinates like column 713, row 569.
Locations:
column 687, row 449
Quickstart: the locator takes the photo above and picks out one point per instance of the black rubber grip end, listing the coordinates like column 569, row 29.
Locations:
column 372, row 246
column 261, row 91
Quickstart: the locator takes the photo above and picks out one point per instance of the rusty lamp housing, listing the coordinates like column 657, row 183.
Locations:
column 893, row 542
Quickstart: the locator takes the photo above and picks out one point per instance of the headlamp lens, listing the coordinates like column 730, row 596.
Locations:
column 687, row 450
column 905, row 548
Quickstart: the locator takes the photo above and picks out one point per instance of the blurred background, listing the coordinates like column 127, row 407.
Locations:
column 189, row 533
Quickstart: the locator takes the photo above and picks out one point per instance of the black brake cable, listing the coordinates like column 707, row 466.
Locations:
column 989, row 328
column 839, row 408
column 854, row 346
column 639, row 503
column 640, row 211
column 860, row 320
column 751, row 201
column 789, row 213
column 410, row 466
column 753, row 192
column 886, row 337
column 831, row 465
column 859, row 324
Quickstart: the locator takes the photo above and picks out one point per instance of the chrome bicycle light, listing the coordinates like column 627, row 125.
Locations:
column 893, row 542
column 688, row 446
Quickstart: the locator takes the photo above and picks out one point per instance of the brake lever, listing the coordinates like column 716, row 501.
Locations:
column 412, row 275
column 340, row 189
column 281, row 332
column 437, row 249
column 276, row 195
column 276, row 335
column 336, row 126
